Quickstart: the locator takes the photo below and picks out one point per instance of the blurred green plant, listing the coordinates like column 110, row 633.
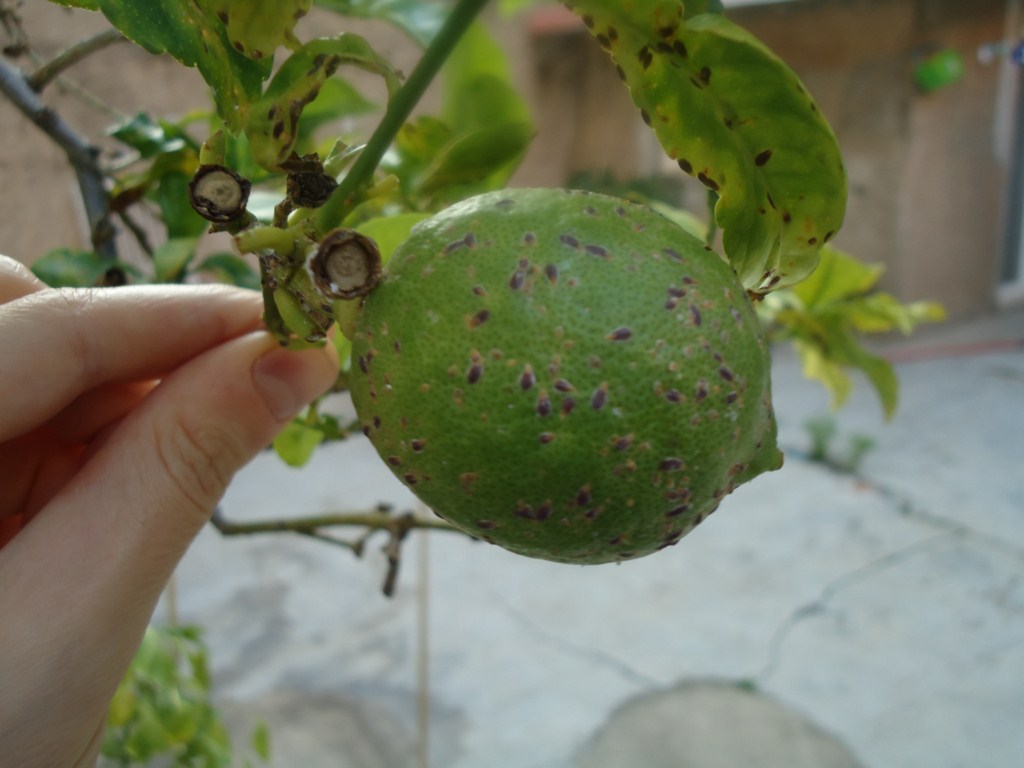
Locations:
column 827, row 315
column 163, row 709
column 823, row 432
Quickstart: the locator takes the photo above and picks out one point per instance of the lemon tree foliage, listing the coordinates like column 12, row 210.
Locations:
column 420, row 20
column 162, row 709
column 272, row 126
column 826, row 315
column 257, row 28
column 193, row 35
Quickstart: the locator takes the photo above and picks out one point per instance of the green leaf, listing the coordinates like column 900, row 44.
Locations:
column 478, row 90
column 196, row 38
column 481, row 136
column 68, row 268
column 261, row 741
column 122, row 705
column 147, row 738
column 388, row 232
column 478, row 156
column 838, row 276
column 816, row 366
column 257, row 28
column 171, row 259
column 848, row 351
column 697, row 7
column 147, row 136
column 337, row 99
column 420, row 20
column 180, row 218
column 511, row 7
column 731, row 113
column 296, row 442
column 881, row 312
column 200, row 669
column 89, row 5
column 830, row 349
column 273, row 124
column 418, row 143
column 231, row 269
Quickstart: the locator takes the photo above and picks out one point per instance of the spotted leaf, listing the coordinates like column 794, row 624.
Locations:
column 196, row 38
column 257, row 27
column 272, row 127
column 733, row 115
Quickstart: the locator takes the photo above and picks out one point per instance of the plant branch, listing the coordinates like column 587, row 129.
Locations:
column 378, row 520
column 399, row 108
column 81, row 155
column 396, row 526
column 137, row 232
column 70, row 56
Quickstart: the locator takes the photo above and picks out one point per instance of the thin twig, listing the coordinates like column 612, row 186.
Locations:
column 396, row 526
column 70, row 56
column 137, row 232
column 375, row 519
column 11, row 22
column 80, row 154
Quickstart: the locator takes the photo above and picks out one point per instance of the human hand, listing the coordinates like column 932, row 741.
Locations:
column 125, row 412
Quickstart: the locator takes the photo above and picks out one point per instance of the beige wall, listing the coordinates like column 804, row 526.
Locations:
column 926, row 188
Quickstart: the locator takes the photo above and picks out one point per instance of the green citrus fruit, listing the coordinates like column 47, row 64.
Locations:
column 567, row 375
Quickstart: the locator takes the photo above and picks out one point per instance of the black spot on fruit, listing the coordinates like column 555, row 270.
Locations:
column 572, row 418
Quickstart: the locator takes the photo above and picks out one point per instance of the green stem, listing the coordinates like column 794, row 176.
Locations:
column 398, row 111
column 271, row 316
column 709, row 239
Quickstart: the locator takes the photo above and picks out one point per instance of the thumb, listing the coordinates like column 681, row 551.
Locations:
column 84, row 576
column 175, row 455
column 143, row 495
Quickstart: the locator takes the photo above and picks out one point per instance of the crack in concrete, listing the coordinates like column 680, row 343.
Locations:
column 593, row 655
column 904, row 506
column 900, row 505
column 832, row 588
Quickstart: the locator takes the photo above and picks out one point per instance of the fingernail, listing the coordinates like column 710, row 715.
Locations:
column 287, row 381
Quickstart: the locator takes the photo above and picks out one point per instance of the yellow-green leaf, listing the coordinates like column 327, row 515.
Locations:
column 196, row 38
column 272, row 127
column 257, row 28
column 296, row 442
column 732, row 114
column 838, row 276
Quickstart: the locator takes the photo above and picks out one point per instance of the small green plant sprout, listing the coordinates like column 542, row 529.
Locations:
column 826, row 316
column 823, row 431
column 163, row 710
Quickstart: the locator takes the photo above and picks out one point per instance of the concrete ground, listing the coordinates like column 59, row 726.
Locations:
column 821, row 618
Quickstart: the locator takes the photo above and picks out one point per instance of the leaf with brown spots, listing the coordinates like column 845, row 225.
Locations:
column 272, row 126
column 195, row 37
column 257, row 28
column 730, row 112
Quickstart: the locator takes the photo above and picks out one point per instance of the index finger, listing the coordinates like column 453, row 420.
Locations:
column 57, row 344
